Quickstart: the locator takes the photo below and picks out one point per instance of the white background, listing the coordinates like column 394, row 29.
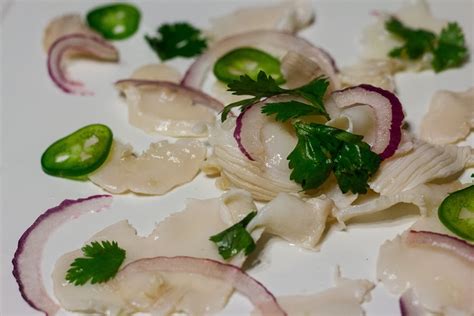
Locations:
column 34, row 113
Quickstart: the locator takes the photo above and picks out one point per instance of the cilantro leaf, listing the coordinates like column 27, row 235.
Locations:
column 451, row 50
column 289, row 110
column 448, row 49
column 322, row 149
column 243, row 104
column 417, row 41
column 354, row 165
column 100, row 263
column 314, row 92
column 310, row 161
column 265, row 86
column 178, row 39
column 235, row 239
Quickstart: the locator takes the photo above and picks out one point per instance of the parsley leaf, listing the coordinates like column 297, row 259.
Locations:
column 265, row 86
column 322, row 149
column 235, row 239
column 100, row 263
column 243, row 104
column 178, row 39
column 451, row 50
column 289, row 110
column 417, row 41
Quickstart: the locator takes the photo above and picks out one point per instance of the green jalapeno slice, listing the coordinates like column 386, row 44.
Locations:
column 247, row 61
column 79, row 153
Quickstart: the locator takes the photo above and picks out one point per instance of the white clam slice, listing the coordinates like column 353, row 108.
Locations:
column 426, row 197
column 65, row 25
column 157, row 72
column 345, row 298
column 424, row 163
column 288, row 16
column 156, row 171
column 377, row 42
column 299, row 69
column 450, row 117
column 185, row 233
column 289, row 217
column 161, row 109
column 359, row 119
column 376, row 72
column 445, row 283
column 264, row 178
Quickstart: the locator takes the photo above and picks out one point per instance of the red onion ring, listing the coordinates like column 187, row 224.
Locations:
column 196, row 95
column 230, row 274
column 238, row 131
column 197, row 72
column 408, row 306
column 248, row 137
column 388, row 114
column 27, row 259
column 452, row 244
column 81, row 43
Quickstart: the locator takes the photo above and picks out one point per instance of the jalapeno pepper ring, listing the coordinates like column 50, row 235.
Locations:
column 457, row 213
column 79, row 153
column 247, row 61
column 114, row 21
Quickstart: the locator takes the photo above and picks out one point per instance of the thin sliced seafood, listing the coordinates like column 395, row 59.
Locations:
column 425, row 163
column 185, row 233
column 443, row 286
column 156, row 171
column 290, row 16
column 450, row 117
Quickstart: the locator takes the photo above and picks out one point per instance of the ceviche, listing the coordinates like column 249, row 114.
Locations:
column 297, row 145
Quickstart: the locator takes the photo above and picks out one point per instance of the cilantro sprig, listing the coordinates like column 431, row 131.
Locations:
column 265, row 86
column 322, row 149
column 235, row 239
column 448, row 49
column 100, row 263
column 178, row 39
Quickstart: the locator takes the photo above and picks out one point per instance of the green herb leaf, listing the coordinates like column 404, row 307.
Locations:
column 314, row 92
column 322, row 149
column 235, row 239
column 289, row 110
column 265, row 86
column 178, row 39
column 451, row 50
column 417, row 41
column 243, row 104
column 100, row 263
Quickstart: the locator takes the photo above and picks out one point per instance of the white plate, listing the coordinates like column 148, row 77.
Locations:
column 35, row 113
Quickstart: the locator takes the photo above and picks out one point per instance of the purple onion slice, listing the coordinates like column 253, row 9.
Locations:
column 261, row 298
column 455, row 245
column 248, row 127
column 84, row 44
column 409, row 305
column 387, row 109
column 28, row 255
